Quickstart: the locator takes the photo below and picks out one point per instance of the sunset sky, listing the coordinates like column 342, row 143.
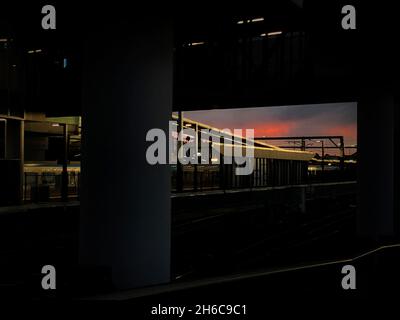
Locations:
column 304, row 120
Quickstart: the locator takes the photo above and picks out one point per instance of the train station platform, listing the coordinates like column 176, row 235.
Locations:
column 376, row 269
column 36, row 206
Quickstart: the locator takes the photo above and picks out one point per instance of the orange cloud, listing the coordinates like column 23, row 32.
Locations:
column 274, row 128
column 348, row 131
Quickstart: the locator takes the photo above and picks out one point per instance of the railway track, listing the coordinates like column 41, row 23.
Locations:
column 289, row 236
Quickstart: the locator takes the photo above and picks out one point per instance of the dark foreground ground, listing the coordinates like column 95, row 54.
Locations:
column 230, row 248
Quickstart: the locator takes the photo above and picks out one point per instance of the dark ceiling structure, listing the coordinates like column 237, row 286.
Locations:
column 256, row 54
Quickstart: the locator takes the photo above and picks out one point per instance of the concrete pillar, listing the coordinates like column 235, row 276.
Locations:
column 125, row 218
column 377, row 218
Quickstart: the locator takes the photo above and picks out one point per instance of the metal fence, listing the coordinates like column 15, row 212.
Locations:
column 267, row 172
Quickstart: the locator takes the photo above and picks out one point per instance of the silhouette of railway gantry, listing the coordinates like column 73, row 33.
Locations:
column 272, row 165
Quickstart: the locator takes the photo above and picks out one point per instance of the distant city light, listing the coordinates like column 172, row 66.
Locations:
column 271, row 34
column 259, row 19
column 3, row 40
column 35, row 51
column 275, row 33
column 65, row 63
column 197, row 43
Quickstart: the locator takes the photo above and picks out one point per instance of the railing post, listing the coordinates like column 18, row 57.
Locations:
column 195, row 175
column 179, row 169
column 221, row 165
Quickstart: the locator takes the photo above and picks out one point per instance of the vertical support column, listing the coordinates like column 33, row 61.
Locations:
column 3, row 138
column 210, row 174
column 14, row 153
column 125, row 202
column 200, row 176
column 179, row 168
column 221, row 164
column 195, row 169
column 64, row 176
column 265, row 170
column 341, row 141
column 247, row 181
column 377, row 218
column 22, row 159
column 323, row 159
column 396, row 133
column 232, row 173
column 303, row 145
